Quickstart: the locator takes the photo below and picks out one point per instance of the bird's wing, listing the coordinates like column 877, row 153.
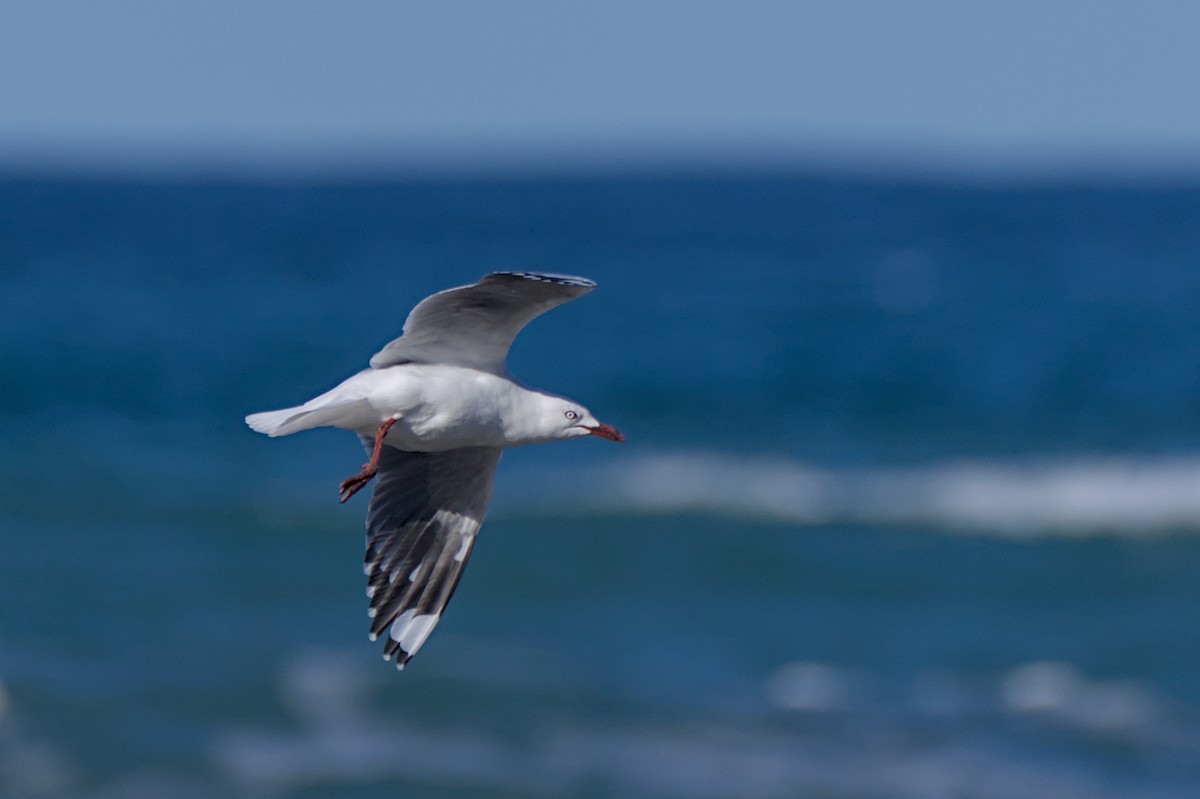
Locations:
column 475, row 325
column 425, row 510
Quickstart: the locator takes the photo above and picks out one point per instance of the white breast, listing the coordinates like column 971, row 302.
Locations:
column 442, row 407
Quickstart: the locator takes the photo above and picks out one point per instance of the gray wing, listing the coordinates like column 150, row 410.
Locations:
column 475, row 325
column 425, row 510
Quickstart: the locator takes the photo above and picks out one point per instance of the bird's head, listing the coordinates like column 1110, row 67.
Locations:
column 567, row 419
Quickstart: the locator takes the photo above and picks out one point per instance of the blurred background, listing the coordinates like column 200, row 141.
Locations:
column 897, row 309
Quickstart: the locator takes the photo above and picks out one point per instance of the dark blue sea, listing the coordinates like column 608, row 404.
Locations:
column 909, row 506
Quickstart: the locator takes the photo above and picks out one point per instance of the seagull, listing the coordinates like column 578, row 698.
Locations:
column 435, row 410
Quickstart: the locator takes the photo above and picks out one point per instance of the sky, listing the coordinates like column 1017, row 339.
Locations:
column 1023, row 85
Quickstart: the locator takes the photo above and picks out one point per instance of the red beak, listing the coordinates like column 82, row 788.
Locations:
column 605, row 431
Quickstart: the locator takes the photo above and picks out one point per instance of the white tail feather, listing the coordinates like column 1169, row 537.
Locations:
column 350, row 414
column 278, row 423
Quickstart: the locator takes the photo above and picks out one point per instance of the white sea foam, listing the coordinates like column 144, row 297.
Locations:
column 1060, row 691
column 825, row 731
column 810, row 686
column 1081, row 496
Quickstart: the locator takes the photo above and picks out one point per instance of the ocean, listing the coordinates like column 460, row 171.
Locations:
column 909, row 504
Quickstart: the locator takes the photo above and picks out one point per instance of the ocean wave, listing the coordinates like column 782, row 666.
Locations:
column 824, row 729
column 1119, row 496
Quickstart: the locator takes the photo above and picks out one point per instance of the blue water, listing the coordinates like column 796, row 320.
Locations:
column 909, row 505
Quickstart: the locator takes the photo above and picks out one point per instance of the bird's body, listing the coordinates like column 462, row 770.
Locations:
column 435, row 410
column 436, row 407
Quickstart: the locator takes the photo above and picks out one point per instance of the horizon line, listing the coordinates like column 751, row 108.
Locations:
column 547, row 160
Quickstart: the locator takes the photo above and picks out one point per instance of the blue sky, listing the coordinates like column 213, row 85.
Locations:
column 962, row 85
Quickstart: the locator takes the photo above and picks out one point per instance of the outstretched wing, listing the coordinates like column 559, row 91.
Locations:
column 474, row 326
column 425, row 510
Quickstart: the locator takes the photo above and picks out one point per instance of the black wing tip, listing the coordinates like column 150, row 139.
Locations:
column 548, row 277
column 393, row 652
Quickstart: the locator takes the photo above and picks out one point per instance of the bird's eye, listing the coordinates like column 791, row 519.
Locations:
column 571, row 415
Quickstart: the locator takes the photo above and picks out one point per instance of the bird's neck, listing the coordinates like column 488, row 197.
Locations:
column 529, row 419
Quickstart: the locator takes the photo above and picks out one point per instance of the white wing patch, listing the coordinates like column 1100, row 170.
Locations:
column 465, row 548
column 410, row 631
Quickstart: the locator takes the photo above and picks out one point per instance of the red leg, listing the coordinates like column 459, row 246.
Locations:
column 351, row 485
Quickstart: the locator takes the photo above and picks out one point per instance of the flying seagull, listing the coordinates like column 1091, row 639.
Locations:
column 435, row 410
